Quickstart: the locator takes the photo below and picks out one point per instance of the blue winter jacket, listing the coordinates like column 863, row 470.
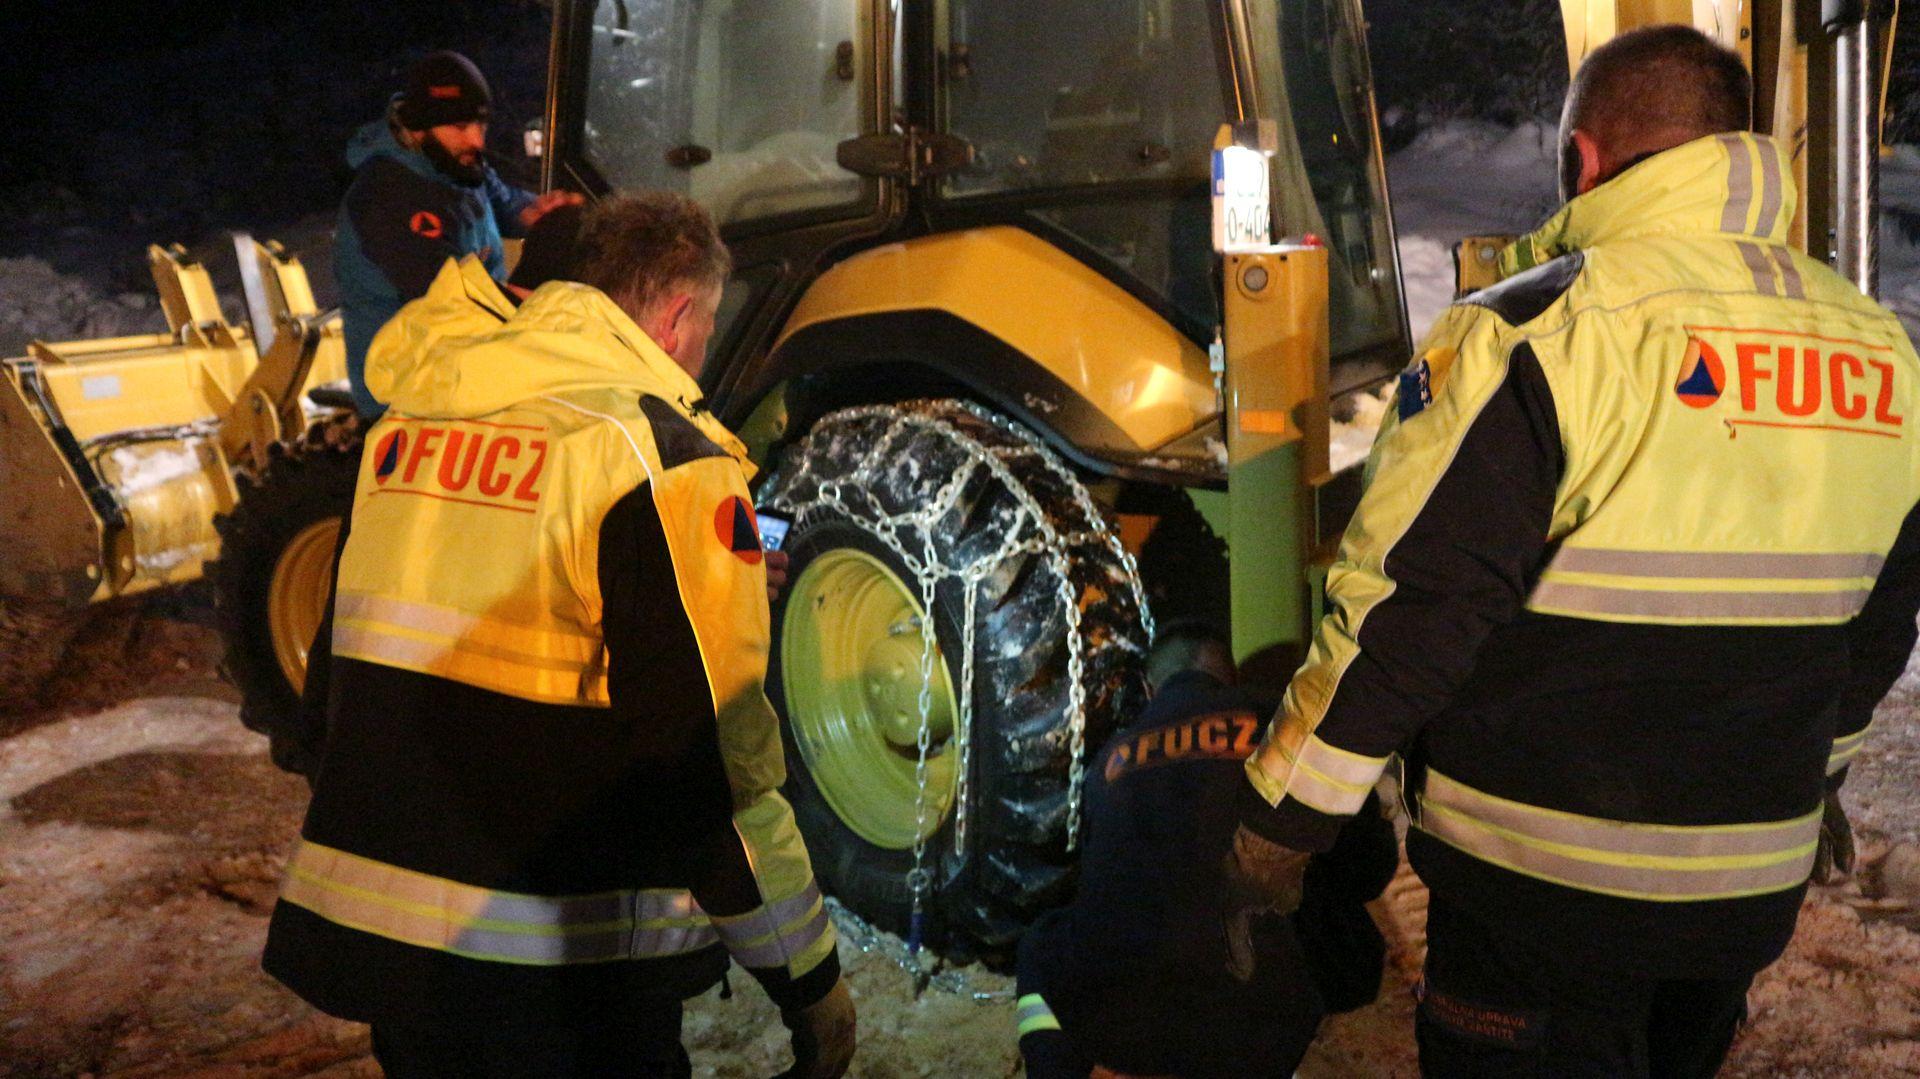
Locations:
column 401, row 221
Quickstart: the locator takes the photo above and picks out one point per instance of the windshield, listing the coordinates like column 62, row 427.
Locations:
column 1311, row 60
column 1127, row 95
column 737, row 103
column 1072, row 92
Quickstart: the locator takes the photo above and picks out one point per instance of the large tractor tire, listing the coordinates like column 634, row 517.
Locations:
column 883, row 499
column 275, row 573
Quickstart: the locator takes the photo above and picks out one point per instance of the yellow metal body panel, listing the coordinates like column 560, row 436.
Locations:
column 1476, row 263
column 1277, row 348
column 50, row 534
column 106, row 393
column 1592, row 23
column 1109, row 347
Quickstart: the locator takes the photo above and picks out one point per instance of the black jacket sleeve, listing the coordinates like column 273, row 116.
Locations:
column 407, row 225
column 658, row 682
column 1450, row 539
column 1880, row 641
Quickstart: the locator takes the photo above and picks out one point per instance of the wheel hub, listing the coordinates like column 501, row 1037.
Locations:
column 892, row 684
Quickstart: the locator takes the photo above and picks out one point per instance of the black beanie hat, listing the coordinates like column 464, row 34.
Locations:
column 444, row 88
column 552, row 250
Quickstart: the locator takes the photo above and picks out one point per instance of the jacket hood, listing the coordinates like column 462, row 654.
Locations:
column 1737, row 184
column 566, row 338
column 463, row 303
column 376, row 140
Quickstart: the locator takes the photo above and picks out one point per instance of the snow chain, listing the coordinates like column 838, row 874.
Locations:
column 1029, row 532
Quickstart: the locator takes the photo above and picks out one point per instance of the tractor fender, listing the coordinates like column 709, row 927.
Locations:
column 1003, row 317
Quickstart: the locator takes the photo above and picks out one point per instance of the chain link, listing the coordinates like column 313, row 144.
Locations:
column 1026, row 530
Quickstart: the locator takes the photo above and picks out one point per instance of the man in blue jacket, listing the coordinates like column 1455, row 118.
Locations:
column 422, row 193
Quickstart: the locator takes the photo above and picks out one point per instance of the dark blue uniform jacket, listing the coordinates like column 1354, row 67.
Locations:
column 401, row 221
column 1135, row 968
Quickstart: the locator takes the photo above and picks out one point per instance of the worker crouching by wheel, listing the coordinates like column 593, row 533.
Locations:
column 547, row 805
column 1142, row 975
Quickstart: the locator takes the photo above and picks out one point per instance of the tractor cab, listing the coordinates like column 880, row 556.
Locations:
column 812, row 128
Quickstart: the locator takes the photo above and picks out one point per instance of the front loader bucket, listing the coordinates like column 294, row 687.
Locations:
column 114, row 455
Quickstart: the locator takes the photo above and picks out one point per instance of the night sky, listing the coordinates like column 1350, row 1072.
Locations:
column 173, row 119
column 134, row 121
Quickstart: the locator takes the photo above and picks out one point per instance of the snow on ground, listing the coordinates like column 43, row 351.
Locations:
column 38, row 302
column 140, row 845
column 41, row 302
column 1464, row 179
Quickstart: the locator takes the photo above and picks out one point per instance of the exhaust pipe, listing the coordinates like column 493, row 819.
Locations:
column 1857, row 135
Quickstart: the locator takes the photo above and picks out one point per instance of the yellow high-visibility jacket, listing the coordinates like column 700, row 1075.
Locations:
column 550, row 775
column 1637, row 556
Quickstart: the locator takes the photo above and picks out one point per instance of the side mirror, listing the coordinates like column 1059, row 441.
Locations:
column 1476, row 263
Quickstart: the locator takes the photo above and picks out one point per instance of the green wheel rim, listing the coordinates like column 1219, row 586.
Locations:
column 850, row 657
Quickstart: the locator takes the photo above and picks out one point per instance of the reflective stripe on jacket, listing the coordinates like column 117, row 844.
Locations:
column 1632, row 512
column 571, row 775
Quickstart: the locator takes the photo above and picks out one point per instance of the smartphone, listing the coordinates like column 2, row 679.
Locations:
column 773, row 529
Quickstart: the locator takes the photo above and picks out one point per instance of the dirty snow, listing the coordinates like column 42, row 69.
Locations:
column 38, row 302
column 1353, row 434
column 143, row 467
column 1471, row 178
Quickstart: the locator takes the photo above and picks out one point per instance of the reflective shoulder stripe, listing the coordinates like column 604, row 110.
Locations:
column 1321, row 776
column 1789, row 273
column 1733, row 216
column 479, row 923
column 1759, row 266
column 1772, row 187
column 543, row 665
column 1033, row 1014
column 1763, row 587
column 1746, row 155
column 1845, row 749
column 1655, row 862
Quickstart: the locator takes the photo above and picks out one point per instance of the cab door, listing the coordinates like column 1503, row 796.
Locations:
column 741, row 105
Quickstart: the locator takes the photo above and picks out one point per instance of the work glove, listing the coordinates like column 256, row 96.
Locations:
column 1262, row 877
column 1833, row 858
column 823, row 1036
